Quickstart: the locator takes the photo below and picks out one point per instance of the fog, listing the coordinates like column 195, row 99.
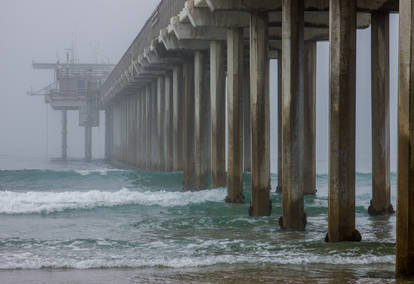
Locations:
column 101, row 31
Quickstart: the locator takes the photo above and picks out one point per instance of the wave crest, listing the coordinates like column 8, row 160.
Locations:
column 48, row 202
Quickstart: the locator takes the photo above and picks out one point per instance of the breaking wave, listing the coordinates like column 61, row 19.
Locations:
column 48, row 202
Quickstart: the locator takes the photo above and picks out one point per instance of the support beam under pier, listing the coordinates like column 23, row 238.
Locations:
column 341, row 209
column 309, row 170
column 235, row 115
column 161, row 122
column 247, row 137
column 202, row 118
column 88, row 143
column 168, row 124
column 380, row 101
column 152, row 126
column 279, row 124
column 405, row 206
column 260, row 111
column 188, row 155
column 65, row 135
column 147, row 131
column 178, row 118
column 218, row 113
column 294, row 217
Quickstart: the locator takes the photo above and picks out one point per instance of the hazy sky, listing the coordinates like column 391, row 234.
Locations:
column 102, row 30
column 41, row 30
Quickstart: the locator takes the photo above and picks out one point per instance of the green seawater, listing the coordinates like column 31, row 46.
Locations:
column 101, row 220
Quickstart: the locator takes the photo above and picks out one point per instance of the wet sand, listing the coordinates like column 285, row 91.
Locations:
column 215, row 274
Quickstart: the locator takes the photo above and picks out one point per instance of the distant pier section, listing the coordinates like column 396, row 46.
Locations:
column 76, row 88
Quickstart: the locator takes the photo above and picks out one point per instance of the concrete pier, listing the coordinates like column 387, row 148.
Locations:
column 293, row 217
column 65, row 135
column 235, row 116
column 380, row 100
column 341, row 212
column 202, row 118
column 88, row 143
column 188, row 155
column 169, row 123
column 218, row 115
column 309, row 150
column 168, row 126
column 405, row 203
column 260, row 120
column 178, row 117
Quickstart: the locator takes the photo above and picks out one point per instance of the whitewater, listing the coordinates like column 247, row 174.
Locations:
column 83, row 217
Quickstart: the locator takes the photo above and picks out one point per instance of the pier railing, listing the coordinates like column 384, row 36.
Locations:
column 159, row 19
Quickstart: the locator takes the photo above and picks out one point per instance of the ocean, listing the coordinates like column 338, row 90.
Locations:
column 74, row 222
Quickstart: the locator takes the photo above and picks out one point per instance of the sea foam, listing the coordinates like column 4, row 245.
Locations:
column 48, row 202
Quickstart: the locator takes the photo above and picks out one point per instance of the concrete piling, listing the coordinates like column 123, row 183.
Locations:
column 279, row 123
column 293, row 217
column 218, row 115
column 148, row 128
column 153, row 126
column 161, row 122
column 405, row 202
column 341, row 212
column 178, row 118
column 309, row 155
column 65, row 135
column 169, row 121
column 88, row 143
column 188, row 155
column 202, row 118
column 260, row 120
column 380, row 101
column 235, row 116
column 247, row 140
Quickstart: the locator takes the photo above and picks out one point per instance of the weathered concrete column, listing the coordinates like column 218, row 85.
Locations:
column 218, row 114
column 88, row 143
column 107, row 133
column 279, row 124
column 247, row 138
column 110, row 132
column 133, row 129
column 65, row 135
column 161, row 122
column 341, row 212
column 178, row 118
column 140, row 135
column 405, row 203
column 148, row 124
column 380, row 102
column 188, row 155
column 202, row 118
column 127, row 134
column 168, row 125
column 235, row 116
column 152, row 125
column 292, row 115
column 309, row 114
column 260, row 111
